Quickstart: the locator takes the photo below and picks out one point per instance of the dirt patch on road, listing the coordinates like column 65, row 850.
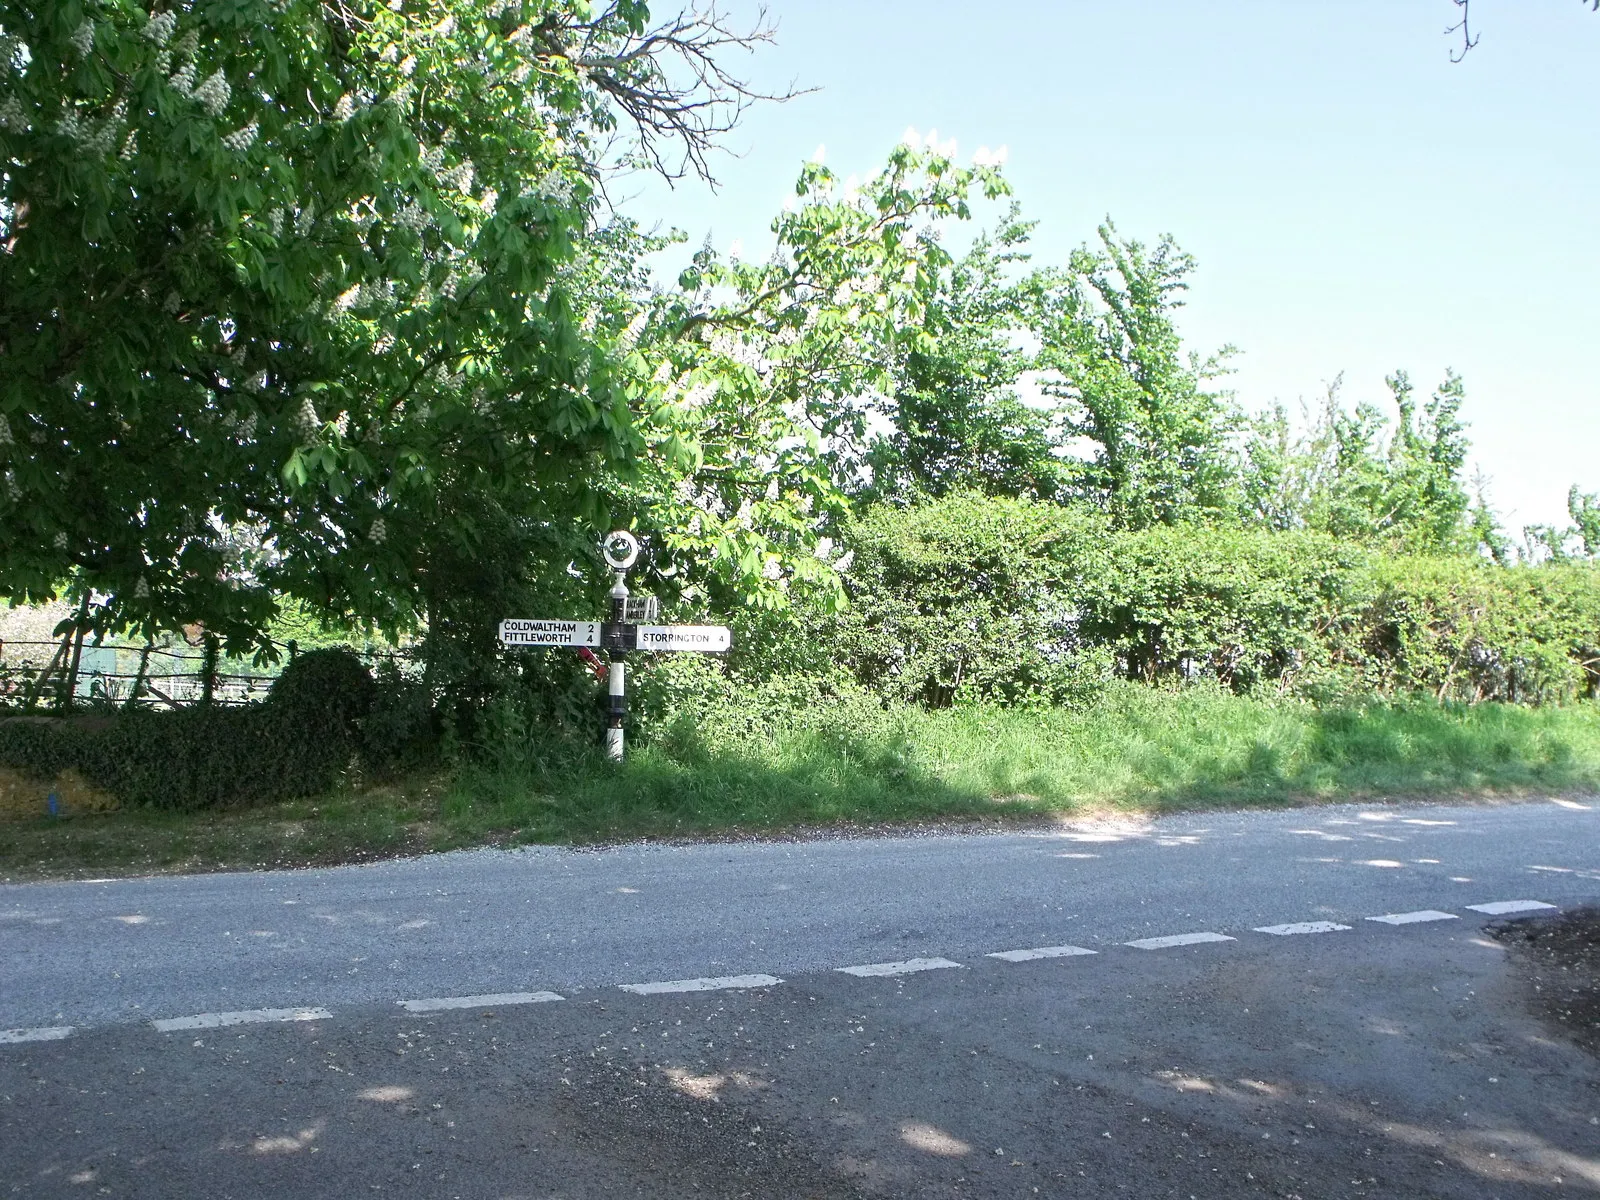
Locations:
column 1558, row 957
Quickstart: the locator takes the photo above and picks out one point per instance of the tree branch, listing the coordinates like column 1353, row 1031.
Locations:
column 1465, row 28
column 669, row 80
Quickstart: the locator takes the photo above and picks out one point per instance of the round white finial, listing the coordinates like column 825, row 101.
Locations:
column 621, row 548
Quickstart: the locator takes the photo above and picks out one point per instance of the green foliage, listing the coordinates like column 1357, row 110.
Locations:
column 256, row 299
column 1584, row 508
column 745, row 366
column 1353, row 476
column 974, row 597
column 688, row 706
column 401, row 731
column 300, row 741
column 1138, row 750
column 772, row 371
column 291, row 290
column 1465, row 629
column 967, row 596
column 327, row 686
column 1579, row 540
column 504, row 567
column 956, row 422
column 1161, row 442
column 1244, row 608
column 769, row 760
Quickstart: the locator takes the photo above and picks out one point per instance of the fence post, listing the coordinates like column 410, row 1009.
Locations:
column 36, row 692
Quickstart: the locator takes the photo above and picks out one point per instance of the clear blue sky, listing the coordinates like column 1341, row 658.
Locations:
column 1356, row 202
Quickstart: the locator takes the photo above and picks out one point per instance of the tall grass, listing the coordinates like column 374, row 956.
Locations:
column 1136, row 748
column 722, row 762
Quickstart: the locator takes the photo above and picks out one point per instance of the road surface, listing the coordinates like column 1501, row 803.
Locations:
column 1298, row 1003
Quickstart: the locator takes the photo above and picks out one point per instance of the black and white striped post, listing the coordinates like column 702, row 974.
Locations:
column 620, row 635
column 621, row 550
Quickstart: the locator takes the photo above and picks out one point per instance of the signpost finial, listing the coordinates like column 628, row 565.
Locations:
column 621, row 549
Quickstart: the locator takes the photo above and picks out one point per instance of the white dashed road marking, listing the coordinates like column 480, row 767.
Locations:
column 250, row 1017
column 1414, row 918
column 1178, row 939
column 52, row 1033
column 713, row 984
column 498, row 999
column 717, row 983
column 908, row 967
column 1039, row 952
column 1499, row 907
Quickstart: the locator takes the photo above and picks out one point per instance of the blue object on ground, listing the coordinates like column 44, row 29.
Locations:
column 54, row 801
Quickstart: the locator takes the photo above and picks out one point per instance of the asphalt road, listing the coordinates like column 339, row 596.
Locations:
column 1385, row 1058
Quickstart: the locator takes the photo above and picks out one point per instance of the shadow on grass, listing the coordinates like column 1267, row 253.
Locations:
column 687, row 785
column 1143, row 751
column 1403, row 749
column 1136, row 751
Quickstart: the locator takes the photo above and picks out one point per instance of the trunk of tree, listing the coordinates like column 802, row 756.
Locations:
column 68, row 692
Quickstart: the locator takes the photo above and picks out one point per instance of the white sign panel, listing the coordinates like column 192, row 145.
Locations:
column 549, row 633
column 684, row 637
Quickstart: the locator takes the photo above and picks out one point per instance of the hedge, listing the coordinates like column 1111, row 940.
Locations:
column 1466, row 629
column 967, row 595
column 1018, row 601
column 299, row 741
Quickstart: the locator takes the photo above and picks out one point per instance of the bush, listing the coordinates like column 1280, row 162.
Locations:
column 1244, row 608
column 1014, row 601
column 971, row 596
column 1466, row 629
column 692, row 708
column 298, row 742
column 401, row 729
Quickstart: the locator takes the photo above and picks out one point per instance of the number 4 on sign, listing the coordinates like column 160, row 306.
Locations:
column 712, row 639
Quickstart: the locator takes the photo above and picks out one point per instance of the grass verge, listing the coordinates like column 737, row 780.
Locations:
column 1135, row 751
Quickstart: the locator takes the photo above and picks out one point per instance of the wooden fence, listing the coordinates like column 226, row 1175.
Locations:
column 68, row 673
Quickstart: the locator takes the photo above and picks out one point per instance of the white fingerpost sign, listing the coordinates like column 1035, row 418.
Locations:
column 549, row 633
column 620, row 635
column 712, row 638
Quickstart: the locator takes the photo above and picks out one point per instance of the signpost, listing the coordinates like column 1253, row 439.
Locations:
column 640, row 609
column 549, row 633
column 627, row 630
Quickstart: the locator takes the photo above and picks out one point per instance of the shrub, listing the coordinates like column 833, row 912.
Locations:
column 298, row 742
column 401, row 729
column 1466, row 629
column 1246, row 608
column 1015, row 601
column 968, row 595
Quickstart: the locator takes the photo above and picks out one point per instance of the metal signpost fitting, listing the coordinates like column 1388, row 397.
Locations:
column 626, row 630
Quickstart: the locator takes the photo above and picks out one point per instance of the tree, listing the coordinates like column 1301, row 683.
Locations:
column 774, row 372
column 1352, row 475
column 1463, row 26
column 1584, row 508
column 956, row 421
column 308, row 270
column 1580, row 539
column 1160, row 441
